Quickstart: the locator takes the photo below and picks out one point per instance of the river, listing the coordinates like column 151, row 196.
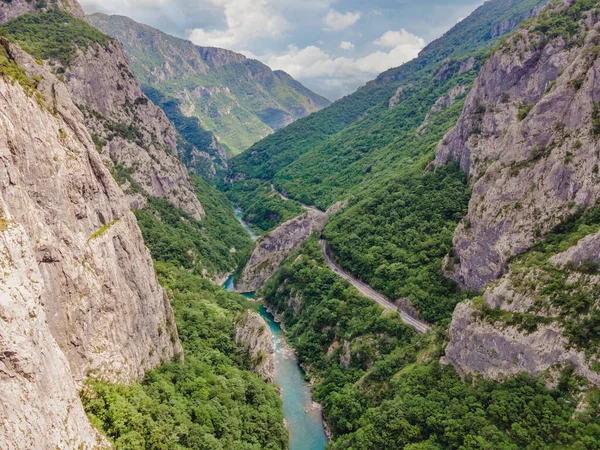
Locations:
column 304, row 421
column 239, row 215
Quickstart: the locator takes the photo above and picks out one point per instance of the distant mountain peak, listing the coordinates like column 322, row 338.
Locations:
column 236, row 99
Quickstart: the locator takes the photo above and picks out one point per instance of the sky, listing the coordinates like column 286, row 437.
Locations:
column 331, row 46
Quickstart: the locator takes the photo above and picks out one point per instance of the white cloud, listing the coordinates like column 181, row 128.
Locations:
column 337, row 21
column 345, row 45
column 313, row 62
column 246, row 20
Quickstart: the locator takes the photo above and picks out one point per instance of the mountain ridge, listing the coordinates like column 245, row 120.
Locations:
column 215, row 97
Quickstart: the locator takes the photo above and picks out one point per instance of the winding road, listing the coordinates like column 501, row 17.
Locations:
column 363, row 288
column 368, row 291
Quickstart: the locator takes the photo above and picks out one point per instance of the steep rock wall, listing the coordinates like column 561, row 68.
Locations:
column 529, row 140
column 525, row 138
column 40, row 407
column 272, row 250
column 80, row 280
column 130, row 129
column 253, row 334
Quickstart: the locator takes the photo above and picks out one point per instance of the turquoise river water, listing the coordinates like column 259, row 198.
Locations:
column 303, row 417
column 304, row 421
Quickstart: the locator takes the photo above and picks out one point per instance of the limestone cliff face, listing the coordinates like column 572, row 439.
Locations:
column 40, row 407
column 253, row 334
column 529, row 140
column 79, row 284
column 275, row 247
column 14, row 8
column 499, row 350
column 130, row 130
column 526, row 139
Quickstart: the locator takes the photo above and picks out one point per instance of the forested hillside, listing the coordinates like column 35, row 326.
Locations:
column 387, row 127
column 382, row 386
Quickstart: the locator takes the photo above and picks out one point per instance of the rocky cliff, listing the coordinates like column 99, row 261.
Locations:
column 81, row 294
column 529, row 139
column 9, row 9
column 134, row 135
column 272, row 249
column 253, row 334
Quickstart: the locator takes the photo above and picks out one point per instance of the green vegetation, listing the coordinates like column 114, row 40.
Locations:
column 563, row 22
column 53, row 35
column 123, row 175
column 524, row 111
column 381, row 386
column 103, row 229
column 213, row 246
column 397, row 237
column 264, row 208
column 10, row 70
column 212, row 401
column 332, row 312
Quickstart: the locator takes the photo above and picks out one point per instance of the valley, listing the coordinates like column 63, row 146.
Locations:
column 197, row 252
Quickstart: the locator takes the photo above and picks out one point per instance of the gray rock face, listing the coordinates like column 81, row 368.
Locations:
column 14, row 8
column 254, row 334
column 525, row 138
column 478, row 347
column 132, row 131
column 81, row 283
column 40, row 407
column 275, row 247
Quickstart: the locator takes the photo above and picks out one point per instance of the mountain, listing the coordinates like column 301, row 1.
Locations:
column 487, row 223
column 106, row 247
column 220, row 101
column 529, row 239
column 77, row 280
column 372, row 135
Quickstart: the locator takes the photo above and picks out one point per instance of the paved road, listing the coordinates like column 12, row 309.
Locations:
column 368, row 291
column 364, row 289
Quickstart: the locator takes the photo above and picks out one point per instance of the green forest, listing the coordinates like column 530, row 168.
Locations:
column 382, row 386
column 211, row 401
column 53, row 35
column 214, row 246
column 263, row 208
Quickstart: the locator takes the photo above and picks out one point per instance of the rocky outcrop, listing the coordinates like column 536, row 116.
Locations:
column 500, row 349
column 9, row 9
column 482, row 348
column 81, row 283
column 253, row 334
column 528, row 139
column 131, row 132
column 395, row 100
column 272, row 249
